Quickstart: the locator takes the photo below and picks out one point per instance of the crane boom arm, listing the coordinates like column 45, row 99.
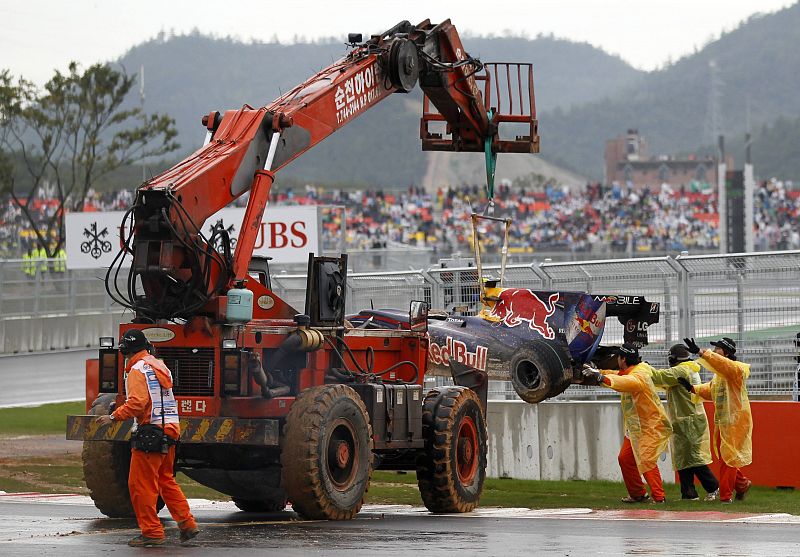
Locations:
column 245, row 147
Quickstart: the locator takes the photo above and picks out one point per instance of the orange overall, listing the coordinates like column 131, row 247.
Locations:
column 152, row 474
column 647, row 429
column 733, row 420
column 633, row 477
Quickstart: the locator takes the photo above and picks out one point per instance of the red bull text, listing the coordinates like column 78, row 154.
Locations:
column 457, row 351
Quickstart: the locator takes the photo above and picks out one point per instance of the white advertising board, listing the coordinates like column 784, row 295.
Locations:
column 93, row 239
column 287, row 234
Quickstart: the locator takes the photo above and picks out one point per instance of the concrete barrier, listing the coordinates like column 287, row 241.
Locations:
column 580, row 440
column 57, row 332
column 558, row 441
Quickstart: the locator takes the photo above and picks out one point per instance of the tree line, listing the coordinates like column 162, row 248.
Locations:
column 59, row 140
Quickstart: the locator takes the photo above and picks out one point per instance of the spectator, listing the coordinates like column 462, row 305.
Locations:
column 594, row 220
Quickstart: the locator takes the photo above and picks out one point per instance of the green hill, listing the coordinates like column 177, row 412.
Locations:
column 584, row 97
column 189, row 76
column 757, row 65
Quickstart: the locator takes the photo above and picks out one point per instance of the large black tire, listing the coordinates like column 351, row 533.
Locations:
column 452, row 468
column 540, row 371
column 105, row 470
column 263, row 506
column 326, row 457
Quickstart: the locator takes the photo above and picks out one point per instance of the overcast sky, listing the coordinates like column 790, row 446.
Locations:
column 39, row 36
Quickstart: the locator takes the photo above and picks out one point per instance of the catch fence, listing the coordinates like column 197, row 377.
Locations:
column 753, row 298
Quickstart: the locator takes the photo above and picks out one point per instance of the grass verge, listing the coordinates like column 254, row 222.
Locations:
column 394, row 488
column 38, row 420
column 46, row 475
column 66, row 476
column 63, row 474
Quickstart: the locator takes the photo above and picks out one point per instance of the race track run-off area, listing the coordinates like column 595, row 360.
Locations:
column 36, row 524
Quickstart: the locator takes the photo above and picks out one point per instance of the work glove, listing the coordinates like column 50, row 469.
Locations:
column 691, row 345
column 591, row 376
column 685, row 383
column 105, row 419
column 590, row 366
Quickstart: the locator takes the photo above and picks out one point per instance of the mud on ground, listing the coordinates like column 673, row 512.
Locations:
column 26, row 446
column 46, row 463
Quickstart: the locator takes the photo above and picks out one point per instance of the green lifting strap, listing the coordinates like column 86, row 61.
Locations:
column 491, row 164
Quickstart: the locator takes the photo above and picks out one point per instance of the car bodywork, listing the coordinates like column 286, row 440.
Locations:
column 537, row 339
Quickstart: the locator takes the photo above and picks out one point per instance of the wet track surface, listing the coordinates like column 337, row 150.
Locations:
column 65, row 528
column 47, row 377
column 71, row 526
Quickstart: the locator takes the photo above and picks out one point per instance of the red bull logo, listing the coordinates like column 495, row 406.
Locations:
column 586, row 318
column 457, row 351
column 516, row 305
column 585, row 326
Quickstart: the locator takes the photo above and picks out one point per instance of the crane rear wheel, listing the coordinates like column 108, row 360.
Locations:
column 452, row 468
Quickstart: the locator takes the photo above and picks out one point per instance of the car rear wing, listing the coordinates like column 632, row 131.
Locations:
column 635, row 313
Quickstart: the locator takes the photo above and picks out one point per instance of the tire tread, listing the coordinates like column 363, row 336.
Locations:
column 436, row 476
column 301, row 458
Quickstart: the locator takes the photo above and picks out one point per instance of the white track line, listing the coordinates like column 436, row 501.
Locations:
column 485, row 512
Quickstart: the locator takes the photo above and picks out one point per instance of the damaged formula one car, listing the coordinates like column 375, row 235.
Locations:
column 536, row 339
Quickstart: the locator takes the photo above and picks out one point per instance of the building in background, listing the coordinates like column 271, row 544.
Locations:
column 628, row 161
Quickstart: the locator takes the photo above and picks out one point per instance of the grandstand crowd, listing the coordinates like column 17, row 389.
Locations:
column 595, row 219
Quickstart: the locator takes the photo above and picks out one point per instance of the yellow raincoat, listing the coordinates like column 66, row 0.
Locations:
column 646, row 422
column 691, row 443
column 733, row 421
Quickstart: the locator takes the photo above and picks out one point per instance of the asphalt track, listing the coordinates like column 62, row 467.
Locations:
column 70, row 526
column 29, row 379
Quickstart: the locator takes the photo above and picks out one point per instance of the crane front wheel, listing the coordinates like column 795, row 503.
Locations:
column 105, row 469
column 326, row 458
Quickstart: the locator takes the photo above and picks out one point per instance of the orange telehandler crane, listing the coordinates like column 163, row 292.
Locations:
column 277, row 404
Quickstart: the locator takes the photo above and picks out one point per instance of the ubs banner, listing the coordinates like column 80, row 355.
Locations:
column 287, row 234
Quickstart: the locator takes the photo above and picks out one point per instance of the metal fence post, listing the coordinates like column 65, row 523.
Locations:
column 349, row 297
column 277, row 286
column 37, row 289
column 2, row 283
column 685, row 317
column 457, row 294
column 547, row 281
column 72, row 288
column 673, row 307
column 107, row 301
column 668, row 312
column 537, row 272
column 740, row 305
column 435, row 289
column 589, row 280
column 796, row 381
